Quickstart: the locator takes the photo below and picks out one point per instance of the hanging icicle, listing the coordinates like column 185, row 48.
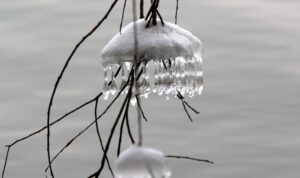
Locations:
column 175, row 53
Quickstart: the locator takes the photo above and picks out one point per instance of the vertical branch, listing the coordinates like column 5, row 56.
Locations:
column 129, row 130
column 99, row 136
column 60, row 76
column 141, row 109
column 121, row 127
column 136, row 53
column 5, row 163
column 123, row 12
column 176, row 13
column 127, row 99
column 142, row 9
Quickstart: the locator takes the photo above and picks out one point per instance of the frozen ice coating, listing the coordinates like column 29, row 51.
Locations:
column 141, row 162
column 154, row 42
column 173, row 54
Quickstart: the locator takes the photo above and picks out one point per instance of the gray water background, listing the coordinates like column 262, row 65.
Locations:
column 249, row 121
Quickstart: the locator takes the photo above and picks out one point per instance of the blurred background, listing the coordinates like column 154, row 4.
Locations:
column 249, row 121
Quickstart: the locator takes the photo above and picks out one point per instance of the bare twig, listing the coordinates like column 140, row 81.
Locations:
column 187, row 113
column 193, row 109
column 141, row 109
column 6, row 158
column 176, row 13
column 56, row 121
column 129, row 130
column 86, row 128
column 189, row 158
column 60, row 76
column 142, row 9
column 121, row 127
column 123, row 12
column 99, row 136
column 127, row 99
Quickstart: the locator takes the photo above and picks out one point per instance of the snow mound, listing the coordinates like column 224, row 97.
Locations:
column 141, row 162
column 154, row 43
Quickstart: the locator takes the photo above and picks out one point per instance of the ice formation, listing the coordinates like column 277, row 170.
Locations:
column 141, row 162
column 175, row 54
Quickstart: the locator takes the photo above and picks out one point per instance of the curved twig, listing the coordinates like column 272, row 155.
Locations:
column 60, row 76
column 99, row 136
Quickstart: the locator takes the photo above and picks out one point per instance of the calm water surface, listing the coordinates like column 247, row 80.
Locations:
column 249, row 121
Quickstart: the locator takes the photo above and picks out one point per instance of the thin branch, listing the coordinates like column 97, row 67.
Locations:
column 160, row 17
column 187, row 113
column 193, row 109
column 179, row 95
column 123, row 12
column 176, row 13
column 127, row 99
column 6, row 158
column 60, row 76
column 86, row 128
column 121, row 127
column 142, row 9
column 189, row 158
column 58, row 120
column 129, row 130
column 99, row 136
column 141, row 109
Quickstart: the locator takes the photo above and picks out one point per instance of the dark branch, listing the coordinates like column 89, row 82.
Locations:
column 123, row 12
column 99, row 136
column 141, row 109
column 187, row 113
column 86, row 128
column 189, row 158
column 142, row 9
column 98, row 172
column 176, row 13
column 127, row 99
column 6, row 158
column 121, row 127
column 129, row 130
column 60, row 76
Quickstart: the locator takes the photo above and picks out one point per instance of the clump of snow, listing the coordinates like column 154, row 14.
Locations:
column 154, row 43
column 141, row 162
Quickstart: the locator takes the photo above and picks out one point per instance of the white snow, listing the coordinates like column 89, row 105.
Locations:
column 156, row 42
column 141, row 162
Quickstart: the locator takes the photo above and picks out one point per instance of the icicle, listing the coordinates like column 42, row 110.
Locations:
column 106, row 84
column 156, row 77
column 144, row 84
column 124, row 79
column 113, row 86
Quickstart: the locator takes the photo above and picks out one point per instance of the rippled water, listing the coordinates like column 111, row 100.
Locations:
column 249, row 121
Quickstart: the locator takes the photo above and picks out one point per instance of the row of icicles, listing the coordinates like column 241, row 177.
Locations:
column 170, row 77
